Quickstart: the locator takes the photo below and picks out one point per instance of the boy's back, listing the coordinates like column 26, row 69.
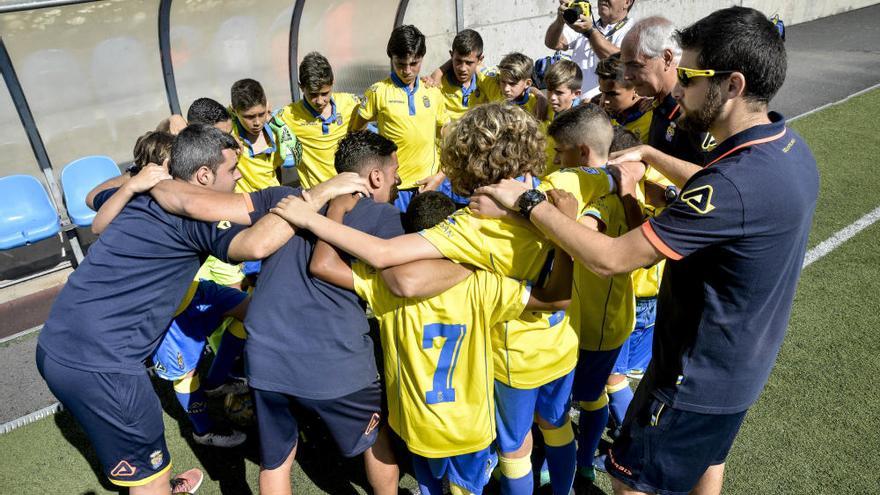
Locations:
column 438, row 369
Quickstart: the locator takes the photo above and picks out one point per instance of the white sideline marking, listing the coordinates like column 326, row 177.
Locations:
column 812, row 255
column 840, row 237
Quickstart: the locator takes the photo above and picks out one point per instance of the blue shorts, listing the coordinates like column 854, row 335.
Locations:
column 446, row 188
column 353, row 421
column 515, row 409
column 635, row 354
column 469, row 471
column 121, row 416
column 591, row 374
column 251, row 267
column 404, row 196
column 183, row 343
column 666, row 451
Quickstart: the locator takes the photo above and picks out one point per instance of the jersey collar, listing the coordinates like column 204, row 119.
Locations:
column 752, row 136
column 410, row 93
column 523, row 99
column 667, row 107
column 250, row 146
column 325, row 122
column 465, row 92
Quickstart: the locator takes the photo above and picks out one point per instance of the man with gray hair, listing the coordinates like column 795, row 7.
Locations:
column 650, row 55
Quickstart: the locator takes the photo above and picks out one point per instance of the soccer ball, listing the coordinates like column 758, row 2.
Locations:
column 239, row 408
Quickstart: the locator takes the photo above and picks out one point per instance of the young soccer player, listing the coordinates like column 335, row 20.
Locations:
column 513, row 78
column 319, row 120
column 534, row 356
column 602, row 309
column 110, row 316
column 438, row 363
column 563, row 80
column 211, row 112
column 260, row 157
column 619, row 98
column 408, row 113
column 461, row 80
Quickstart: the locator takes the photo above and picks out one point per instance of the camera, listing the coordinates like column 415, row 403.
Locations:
column 575, row 10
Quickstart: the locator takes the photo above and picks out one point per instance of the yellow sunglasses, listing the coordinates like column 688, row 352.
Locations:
column 685, row 75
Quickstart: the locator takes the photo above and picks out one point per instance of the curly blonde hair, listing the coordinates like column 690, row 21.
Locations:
column 492, row 142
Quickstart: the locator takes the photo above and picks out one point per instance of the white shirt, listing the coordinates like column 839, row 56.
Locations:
column 583, row 55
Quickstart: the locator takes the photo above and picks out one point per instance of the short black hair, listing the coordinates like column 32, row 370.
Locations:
column 315, row 72
column 742, row 40
column 467, row 41
column 585, row 124
column 247, row 93
column 198, row 145
column 406, row 41
column 624, row 139
column 426, row 210
column 359, row 148
column 206, row 111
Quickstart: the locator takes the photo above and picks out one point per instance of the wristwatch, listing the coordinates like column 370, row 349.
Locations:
column 671, row 194
column 528, row 200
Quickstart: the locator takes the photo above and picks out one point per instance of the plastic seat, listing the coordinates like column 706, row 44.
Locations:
column 26, row 213
column 78, row 178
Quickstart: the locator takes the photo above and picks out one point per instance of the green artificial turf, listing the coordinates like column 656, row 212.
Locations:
column 814, row 430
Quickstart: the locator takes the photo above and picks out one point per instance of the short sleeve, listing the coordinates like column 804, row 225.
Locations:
column 442, row 116
column 505, row 297
column 369, row 104
column 211, row 238
column 708, row 211
column 103, row 196
column 488, row 84
column 598, row 209
column 571, row 37
column 587, row 184
column 459, row 239
column 370, row 287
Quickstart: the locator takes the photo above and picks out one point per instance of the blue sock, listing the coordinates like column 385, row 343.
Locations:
column 192, row 398
column 618, row 402
column 592, row 424
column 231, row 346
column 518, row 486
column 561, row 461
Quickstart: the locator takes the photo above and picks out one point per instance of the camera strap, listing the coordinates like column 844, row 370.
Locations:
column 617, row 27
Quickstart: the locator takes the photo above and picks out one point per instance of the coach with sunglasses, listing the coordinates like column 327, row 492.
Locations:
column 735, row 240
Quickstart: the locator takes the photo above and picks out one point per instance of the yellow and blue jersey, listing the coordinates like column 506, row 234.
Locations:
column 527, row 101
column 257, row 169
column 635, row 120
column 602, row 310
column 438, row 365
column 319, row 135
column 412, row 118
column 538, row 347
column 647, row 280
column 458, row 99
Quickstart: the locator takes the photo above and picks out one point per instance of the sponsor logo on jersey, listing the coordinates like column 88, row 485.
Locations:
column 371, row 426
column 670, row 132
column 224, row 224
column 700, row 199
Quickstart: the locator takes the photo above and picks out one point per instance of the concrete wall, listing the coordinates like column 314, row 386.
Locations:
column 519, row 25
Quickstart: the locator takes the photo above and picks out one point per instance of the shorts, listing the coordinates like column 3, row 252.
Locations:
column 353, row 421
column 665, row 450
column 515, row 409
column 591, row 374
column 121, row 416
column 635, row 354
column 469, row 471
column 183, row 343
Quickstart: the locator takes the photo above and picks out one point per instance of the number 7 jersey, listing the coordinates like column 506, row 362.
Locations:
column 438, row 358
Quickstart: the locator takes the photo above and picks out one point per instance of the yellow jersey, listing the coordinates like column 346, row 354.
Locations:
column 412, row 118
column 257, row 169
column 438, row 369
column 527, row 101
column 458, row 99
column 538, row 347
column 217, row 271
column 635, row 120
column 319, row 136
column 551, row 143
column 602, row 310
column 647, row 280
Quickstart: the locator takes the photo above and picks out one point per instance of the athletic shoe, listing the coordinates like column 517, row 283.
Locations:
column 234, row 386
column 225, row 439
column 599, row 463
column 187, row 482
column 583, row 481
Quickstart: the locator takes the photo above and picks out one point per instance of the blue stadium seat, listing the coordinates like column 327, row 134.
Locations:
column 26, row 214
column 78, row 178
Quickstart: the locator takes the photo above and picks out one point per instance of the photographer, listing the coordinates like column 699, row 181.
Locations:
column 590, row 40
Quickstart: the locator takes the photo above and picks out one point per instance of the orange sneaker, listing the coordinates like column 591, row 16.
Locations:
column 187, row 482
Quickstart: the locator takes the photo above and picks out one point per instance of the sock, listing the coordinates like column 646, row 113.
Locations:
column 516, row 476
column 594, row 417
column 192, row 399
column 231, row 345
column 619, row 397
column 561, row 453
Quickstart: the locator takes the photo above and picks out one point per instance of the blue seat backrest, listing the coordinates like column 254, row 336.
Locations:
column 78, row 178
column 26, row 213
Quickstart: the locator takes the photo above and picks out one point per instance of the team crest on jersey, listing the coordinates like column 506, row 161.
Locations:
column 180, row 360
column 371, row 426
column 709, row 142
column 156, row 459
column 426, row 101
column 123, row 470
column 223, row 225
column 700, row 199
column 670, row 132
column 339, row 120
